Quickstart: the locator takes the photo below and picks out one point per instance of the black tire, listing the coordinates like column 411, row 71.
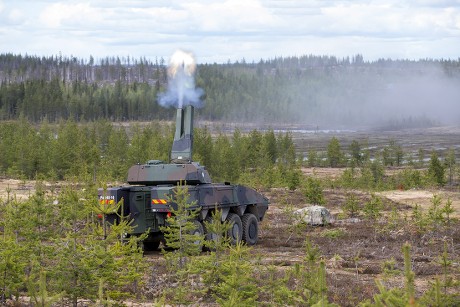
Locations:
column 250, row 228
column 198, row 230
column 235, row 233
column 150, row 246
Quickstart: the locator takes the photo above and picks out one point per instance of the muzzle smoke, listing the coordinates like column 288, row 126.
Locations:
column 181, row 90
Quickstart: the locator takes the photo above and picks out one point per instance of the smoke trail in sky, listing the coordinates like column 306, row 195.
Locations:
column 181, row 82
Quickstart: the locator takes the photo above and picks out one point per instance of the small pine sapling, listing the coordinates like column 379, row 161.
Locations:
column 313, row 191
column 446, row 264
column 351, row 206
column 373, row 208
column 447, row 210
column 409, row 274
column 183, row 232
column 237, row 286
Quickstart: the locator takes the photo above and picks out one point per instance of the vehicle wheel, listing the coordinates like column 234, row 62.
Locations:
column 235, row 233
column 250, row 228
column 150, row 246
column 198, row 231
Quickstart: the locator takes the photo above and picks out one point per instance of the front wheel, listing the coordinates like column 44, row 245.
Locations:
column 250, row 228
column 235, row 232
column 198, row 232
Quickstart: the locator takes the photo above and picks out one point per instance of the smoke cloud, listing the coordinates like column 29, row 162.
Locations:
column 181, row 90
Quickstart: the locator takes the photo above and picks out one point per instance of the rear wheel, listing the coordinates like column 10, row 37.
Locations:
column 250, row 228
column 235, row 233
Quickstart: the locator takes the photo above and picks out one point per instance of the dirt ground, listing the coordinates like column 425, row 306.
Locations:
column 23, row 189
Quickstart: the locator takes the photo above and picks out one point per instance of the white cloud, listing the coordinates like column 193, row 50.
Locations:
column 61, row 14
column 231, row 15
column 15, row 16
column 385, row 20
column 233, row 29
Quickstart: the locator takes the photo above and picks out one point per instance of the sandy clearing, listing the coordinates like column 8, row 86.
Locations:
column 423, row 198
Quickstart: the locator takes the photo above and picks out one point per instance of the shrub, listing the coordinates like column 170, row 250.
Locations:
column 436, row 170
column 333, row 233
column 351, row 206
column 313, row 191
column 373, row 208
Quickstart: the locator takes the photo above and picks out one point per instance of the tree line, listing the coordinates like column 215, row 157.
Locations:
column 18, row 68
column 305, row 89
column 37, row 100
column 103, row 151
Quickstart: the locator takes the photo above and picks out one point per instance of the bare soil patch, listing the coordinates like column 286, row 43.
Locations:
column 423, row 198
column 19, row 189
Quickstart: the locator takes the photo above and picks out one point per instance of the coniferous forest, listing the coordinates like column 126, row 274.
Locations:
column 311, row 90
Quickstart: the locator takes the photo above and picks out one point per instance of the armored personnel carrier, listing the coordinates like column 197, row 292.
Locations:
column 147, row 200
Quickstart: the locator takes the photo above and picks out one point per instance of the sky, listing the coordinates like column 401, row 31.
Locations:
column 232, row 30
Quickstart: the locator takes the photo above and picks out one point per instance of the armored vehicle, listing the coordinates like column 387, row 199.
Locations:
column 148, row 198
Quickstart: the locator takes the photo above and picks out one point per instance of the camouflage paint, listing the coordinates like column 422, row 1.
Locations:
column 156, row 181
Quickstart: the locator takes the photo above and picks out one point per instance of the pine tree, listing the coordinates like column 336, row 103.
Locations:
column 224, row 162
column 312, row 158
column 435, row 213
column 356, row 154
column 236, row 286
column 449, row 294
column 421, row 158
column 215, row 229
column 351, row 206
column 409, row 274
column 13, row 252
column 334, row 153
column 450, row 162
column 93, row 260
column 311, row 288
column 436, row 170
column 66, row 151
column 275, row 286
column 184, row 233
column 203, row 147
column 396, row 296
column 269, row 145
column 373, row 207
column 313, row 191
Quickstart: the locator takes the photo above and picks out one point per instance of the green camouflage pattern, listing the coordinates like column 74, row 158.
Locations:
column 149, row 197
